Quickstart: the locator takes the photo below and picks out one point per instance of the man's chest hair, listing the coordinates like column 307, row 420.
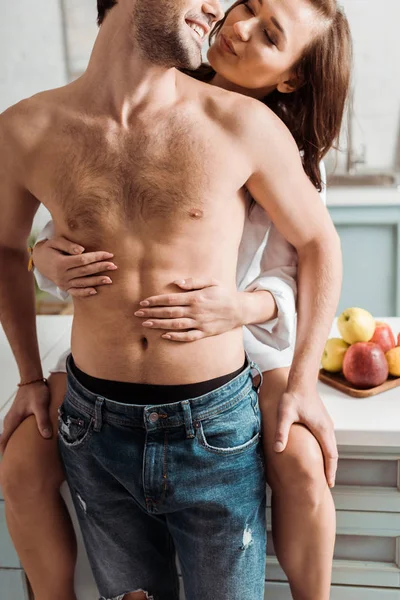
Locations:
column 146, row 174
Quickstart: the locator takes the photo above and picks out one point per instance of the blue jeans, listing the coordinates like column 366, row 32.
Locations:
column 185, row 478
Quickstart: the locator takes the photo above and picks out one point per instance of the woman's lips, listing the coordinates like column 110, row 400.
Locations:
column 226, row 44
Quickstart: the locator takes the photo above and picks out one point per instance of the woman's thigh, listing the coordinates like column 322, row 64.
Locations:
column 30, row 458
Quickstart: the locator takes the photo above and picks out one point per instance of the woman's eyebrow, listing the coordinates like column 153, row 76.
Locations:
column 276, row 23
column 279, row 27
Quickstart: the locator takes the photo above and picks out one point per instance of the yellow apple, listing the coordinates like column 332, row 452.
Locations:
column 356, row 325
column 333, row 356
column 393, row 359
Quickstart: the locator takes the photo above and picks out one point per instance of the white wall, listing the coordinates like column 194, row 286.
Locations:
column 32, row 55
column 31, row 49
column 375, row 27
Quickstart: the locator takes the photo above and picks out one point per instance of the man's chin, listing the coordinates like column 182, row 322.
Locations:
column 194, row 60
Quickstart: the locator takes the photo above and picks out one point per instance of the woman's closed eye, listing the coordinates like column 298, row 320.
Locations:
column 249, row 9
column 269, row 38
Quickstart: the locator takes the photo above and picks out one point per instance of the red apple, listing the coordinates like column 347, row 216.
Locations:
column 365, row 365
column 398, row 339
column 383, row 336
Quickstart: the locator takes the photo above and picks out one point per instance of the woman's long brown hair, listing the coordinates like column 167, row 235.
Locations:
column 314, row 112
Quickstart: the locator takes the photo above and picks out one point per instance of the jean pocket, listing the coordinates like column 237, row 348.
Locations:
column 233, row 431
column 74, row 426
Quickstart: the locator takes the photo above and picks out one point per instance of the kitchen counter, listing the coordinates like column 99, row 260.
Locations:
column 363, row 196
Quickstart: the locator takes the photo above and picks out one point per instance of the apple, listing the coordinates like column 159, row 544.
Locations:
column 393, row 360
column 332, row 358
column 383, row 336
column 398, row 339
column 356, row 325
column 365, row 365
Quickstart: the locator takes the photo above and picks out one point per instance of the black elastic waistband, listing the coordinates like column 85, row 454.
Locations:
column 144, row 393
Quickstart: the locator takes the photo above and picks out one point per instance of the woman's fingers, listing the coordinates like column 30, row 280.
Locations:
column 173, row 324
column 82, row 292
column 86, row 286
column 164, row 312
column 64, row 245
column 92, row 282
column 84, row 260
column 184, row 336
column 90, row 269
column 196, row 283
column 168, row 300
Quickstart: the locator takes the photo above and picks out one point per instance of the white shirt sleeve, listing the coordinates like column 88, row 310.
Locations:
column 278, row 275
column 43, row 282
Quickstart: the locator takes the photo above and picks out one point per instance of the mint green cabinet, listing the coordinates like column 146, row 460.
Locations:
column 13, row 584
column 370, row 237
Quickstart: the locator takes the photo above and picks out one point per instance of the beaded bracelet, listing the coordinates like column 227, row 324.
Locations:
column 42, row 380
column 30, row 263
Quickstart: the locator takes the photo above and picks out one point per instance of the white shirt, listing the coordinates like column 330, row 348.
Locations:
column 266, row 261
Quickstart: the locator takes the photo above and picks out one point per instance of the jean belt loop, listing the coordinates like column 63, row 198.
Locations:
column 98, row 414
column 253, row 365
column 187, row 415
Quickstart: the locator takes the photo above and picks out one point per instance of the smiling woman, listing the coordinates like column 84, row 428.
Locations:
column 268, row 50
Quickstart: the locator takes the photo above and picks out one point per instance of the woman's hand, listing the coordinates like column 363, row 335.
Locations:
column 70, row 268
column 206, row 309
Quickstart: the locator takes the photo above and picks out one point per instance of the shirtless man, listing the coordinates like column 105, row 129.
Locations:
column 137, row 157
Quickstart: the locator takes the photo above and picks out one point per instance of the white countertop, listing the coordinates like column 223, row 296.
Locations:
column 362, row 196
column 358, row 422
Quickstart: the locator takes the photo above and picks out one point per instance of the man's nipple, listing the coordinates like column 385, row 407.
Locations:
column 196, row 213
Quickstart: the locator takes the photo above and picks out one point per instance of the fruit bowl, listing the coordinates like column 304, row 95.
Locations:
column 365, row 360
column 340, row 383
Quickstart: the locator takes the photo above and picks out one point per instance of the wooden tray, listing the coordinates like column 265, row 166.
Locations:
column 337, row 381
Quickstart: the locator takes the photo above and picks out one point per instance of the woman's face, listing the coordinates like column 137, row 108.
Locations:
column 261, row 41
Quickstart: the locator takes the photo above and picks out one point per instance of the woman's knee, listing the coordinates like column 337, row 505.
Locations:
column 24, row 481
column 298, row 471
column 30, row 465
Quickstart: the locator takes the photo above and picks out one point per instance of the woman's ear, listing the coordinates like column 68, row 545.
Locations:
column 291, row 84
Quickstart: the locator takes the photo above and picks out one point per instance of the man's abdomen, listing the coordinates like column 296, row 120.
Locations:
column 110, row 342
column 120, row 351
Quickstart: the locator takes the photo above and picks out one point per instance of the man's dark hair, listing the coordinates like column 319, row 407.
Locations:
column 103, row 6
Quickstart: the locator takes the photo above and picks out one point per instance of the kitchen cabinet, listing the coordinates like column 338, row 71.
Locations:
column 370, row 238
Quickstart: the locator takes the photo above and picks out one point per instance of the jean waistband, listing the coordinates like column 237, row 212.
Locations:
column 161, row 415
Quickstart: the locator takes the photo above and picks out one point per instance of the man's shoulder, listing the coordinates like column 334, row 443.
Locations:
column 23, row 125
column 246, row 117
column 259, row 121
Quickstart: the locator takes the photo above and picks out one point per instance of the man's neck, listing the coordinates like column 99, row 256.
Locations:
column 119, row 80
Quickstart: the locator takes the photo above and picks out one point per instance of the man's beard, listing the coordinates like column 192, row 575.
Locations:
column 158, row 29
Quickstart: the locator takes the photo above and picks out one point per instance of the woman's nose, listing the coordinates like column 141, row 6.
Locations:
column 213, row 9
column 242, row 30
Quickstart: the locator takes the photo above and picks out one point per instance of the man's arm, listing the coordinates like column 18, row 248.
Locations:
column 17, row 300
column 278, row 183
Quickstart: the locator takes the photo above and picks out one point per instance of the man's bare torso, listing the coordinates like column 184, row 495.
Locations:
column 164, row 194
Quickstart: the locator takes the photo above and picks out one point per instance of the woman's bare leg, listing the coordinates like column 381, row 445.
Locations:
column 38, row 521
column 303, row 512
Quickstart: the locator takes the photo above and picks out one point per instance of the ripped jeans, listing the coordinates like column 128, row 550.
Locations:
column 185, row 479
